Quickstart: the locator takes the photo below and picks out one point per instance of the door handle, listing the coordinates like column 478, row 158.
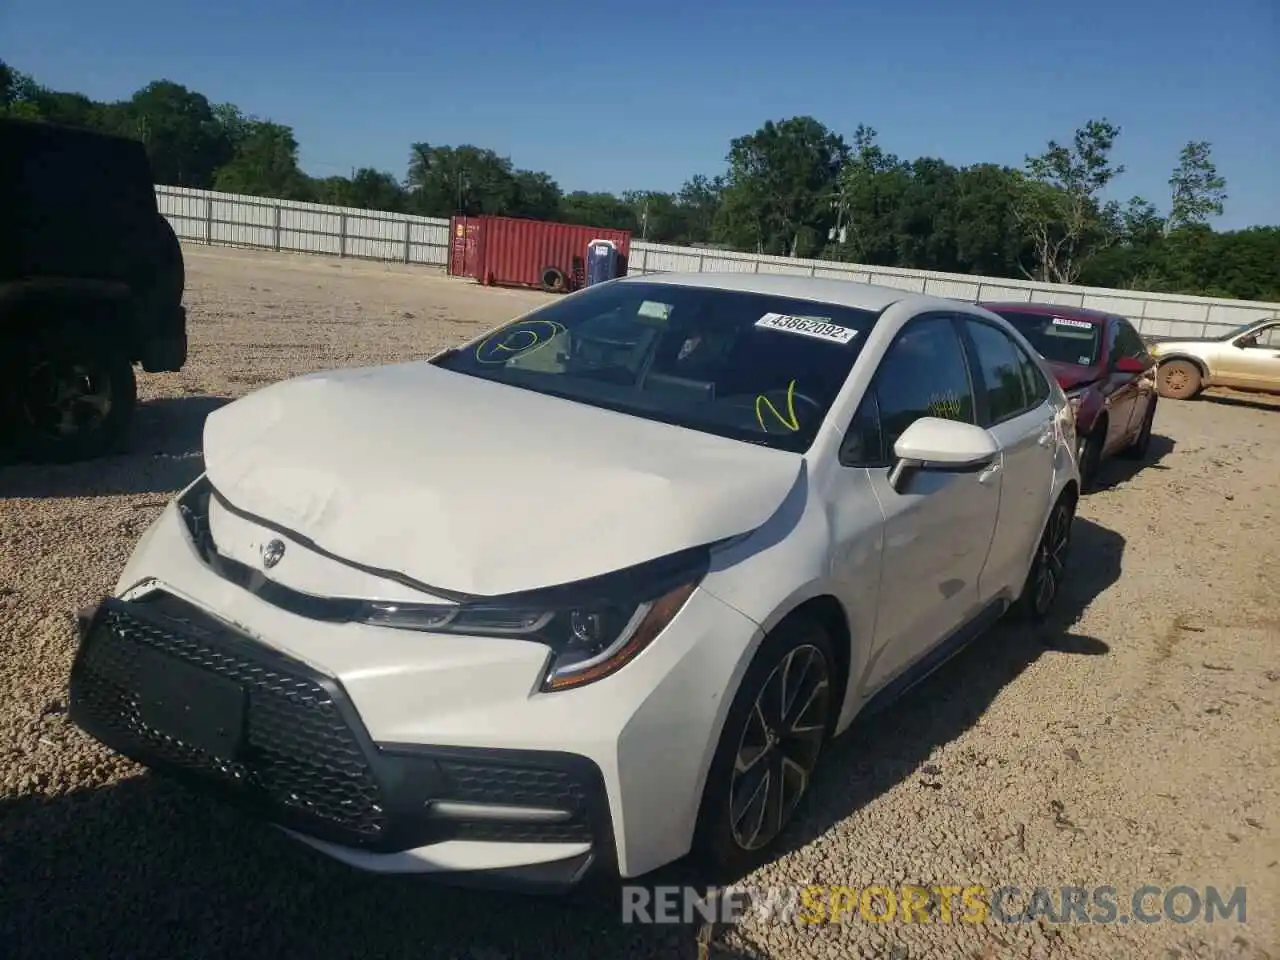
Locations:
column 988, row 472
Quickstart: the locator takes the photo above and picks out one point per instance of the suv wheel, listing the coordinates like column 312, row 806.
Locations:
column 773, row 735
column 73, row 401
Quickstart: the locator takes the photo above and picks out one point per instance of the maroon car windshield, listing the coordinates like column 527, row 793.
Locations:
column 1061, row 339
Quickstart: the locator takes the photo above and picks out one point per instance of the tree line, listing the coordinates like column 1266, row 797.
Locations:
column 793, row 187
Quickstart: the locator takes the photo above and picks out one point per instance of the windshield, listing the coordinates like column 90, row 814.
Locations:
column 1061, row 339
column 1238, row 331
column 762, row 369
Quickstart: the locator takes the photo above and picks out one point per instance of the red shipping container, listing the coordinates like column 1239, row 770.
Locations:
column 464, row 246
column 540, row 253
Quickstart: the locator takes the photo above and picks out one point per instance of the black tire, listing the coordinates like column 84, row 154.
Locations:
column 1048, row 570
column 71, row 399
column 1089, row 454
column 1142, row 442
column 554, row 280
column 726, row 852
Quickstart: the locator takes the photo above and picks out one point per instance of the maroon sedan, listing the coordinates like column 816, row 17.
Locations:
column 1105, row 369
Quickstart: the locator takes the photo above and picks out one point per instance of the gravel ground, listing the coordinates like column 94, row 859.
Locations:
column 1132, row 741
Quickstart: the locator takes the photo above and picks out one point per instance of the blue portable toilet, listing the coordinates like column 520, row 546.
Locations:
column 602, row 261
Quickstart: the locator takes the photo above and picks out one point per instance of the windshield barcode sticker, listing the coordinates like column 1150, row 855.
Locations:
column 808, row 327
column 1077, row 324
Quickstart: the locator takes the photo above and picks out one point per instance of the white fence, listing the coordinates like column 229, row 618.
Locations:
column 233, row 220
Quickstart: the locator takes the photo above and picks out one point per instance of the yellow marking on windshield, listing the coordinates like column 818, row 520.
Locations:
column 501, row 341
column 790, row 421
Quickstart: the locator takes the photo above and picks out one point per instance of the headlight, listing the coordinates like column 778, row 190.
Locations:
column 1074, row 398
column 593, row 629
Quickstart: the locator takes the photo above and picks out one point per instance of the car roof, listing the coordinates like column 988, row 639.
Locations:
column 1048, row 310
column 845, row 293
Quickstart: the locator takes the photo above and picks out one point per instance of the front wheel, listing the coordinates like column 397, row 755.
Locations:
column 1089, row 455
column 773, row 736
column 1048, row 569
column 1142, row 442
column 1179, row 380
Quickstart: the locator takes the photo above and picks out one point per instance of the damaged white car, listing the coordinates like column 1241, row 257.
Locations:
column 593, row 590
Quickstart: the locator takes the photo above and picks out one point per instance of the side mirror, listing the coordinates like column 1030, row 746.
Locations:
column 1130, row 365
column 1247, row 342
column 932, row 443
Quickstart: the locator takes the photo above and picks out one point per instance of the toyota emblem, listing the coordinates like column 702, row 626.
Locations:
column 272, row 553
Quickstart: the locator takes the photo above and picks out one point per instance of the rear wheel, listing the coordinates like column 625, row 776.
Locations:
column 773, row 736
column 71, row 399
column 1048, row 569
column 1179, row 380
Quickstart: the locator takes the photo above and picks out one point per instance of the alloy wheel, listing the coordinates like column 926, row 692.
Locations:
column 779, row 747
column 1051, row 561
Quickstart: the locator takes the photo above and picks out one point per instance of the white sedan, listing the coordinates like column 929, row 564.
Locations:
column 593, row 590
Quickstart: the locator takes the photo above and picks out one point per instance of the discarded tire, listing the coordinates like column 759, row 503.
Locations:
column 554, row 280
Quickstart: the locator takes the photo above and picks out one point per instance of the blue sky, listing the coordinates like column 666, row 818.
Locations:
column 640, row 94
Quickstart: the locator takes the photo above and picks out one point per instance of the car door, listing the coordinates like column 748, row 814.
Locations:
column 1119, row 390
column 1012, row 402
column 938, row 526
column 1251, row 362
column 1141, row 387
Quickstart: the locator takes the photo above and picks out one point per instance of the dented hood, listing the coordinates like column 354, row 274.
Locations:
column 480, row 488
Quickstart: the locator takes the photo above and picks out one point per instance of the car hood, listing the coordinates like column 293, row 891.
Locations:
column 1183, row 346
column 476, row 487
column 1071, row 375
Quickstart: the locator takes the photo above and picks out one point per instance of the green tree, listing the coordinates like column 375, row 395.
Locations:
column 1198, row 191
column 537, row 196
column 185, row 141
column 265, row 164
column 466, row 179
column 988, row 238
column 1060, row 206
column 869, row 189
column 598, row 210
column 18, row 94
column 781, row 182
column 699, row 199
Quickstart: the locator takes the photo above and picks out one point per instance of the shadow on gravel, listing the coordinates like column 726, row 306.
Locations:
column 143, row 869
column 1117, row 471
column 162, row 456
column 1260, row 401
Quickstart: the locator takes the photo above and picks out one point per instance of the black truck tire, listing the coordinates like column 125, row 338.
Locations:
column 71, row 397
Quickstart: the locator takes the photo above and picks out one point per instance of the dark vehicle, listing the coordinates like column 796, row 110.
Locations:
column 91, row 282
column 1105, row 369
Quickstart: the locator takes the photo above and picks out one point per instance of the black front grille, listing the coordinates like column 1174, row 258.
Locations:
column 300, row 764
column 303, row 759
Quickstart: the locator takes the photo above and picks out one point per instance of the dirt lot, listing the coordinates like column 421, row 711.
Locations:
column 1132, row 742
